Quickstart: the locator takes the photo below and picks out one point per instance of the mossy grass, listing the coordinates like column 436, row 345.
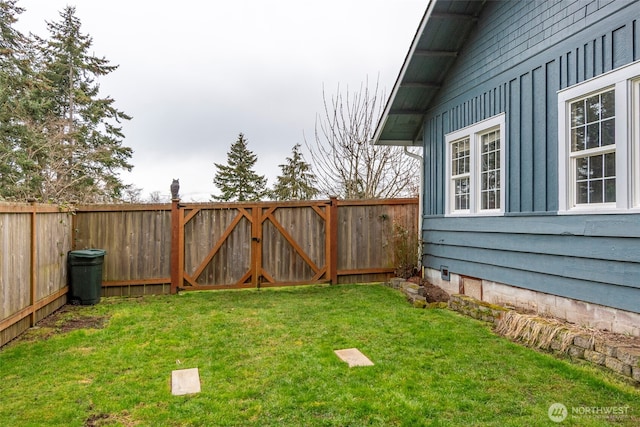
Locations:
column 266, row 358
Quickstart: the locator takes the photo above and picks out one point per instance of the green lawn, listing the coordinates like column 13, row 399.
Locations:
column 266, row 358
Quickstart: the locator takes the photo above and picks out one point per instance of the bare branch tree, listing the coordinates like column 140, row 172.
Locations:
column 347, row 164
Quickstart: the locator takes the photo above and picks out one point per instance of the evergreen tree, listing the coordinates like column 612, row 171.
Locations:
column 16, row 109
column 85, row 141
column 297, row 181
column 237, row 180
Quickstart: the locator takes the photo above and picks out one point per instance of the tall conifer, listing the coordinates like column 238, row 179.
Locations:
column 18, row 172
column 297, row 181
column 237, row 180
column 87, row 152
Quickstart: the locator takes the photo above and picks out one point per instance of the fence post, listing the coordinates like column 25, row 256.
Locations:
column 332, row 244
column 176, row 244
column 33, row 275
column 256, row 245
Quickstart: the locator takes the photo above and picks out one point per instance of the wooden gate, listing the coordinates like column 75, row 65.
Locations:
column 222, row 246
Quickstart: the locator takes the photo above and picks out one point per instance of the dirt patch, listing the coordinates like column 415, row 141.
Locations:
column 68, row 318
column 432, row 292
column 122, row 419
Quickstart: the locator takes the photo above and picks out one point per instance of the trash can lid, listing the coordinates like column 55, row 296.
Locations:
column 88, row 253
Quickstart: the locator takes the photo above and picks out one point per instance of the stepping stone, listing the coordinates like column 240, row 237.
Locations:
column 185, row 381
column 353, row 357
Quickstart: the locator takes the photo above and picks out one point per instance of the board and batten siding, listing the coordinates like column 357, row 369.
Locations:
column 520, row 56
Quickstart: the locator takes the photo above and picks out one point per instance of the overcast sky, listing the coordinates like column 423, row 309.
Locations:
column 194, row 74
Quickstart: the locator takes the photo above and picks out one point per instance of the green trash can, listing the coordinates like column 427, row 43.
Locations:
column 85, row 275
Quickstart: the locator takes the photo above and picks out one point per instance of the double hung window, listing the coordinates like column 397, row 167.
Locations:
column 475, row 171
column 598, row 160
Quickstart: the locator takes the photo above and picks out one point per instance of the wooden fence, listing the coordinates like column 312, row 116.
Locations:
column 34, row 241
column 137, row 239
column 156, row 249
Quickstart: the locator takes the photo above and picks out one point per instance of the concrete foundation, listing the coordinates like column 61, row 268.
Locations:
column 578, row 312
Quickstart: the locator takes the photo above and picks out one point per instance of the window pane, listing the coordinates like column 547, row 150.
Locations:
column 595, row 179
column 595, row 191
column 596, row 168
column 610, row 165
column 610, row 190
column 460, row 157
column 582, row 168
column 462, row 202
column 461, row 193
column 490, row 171
column 593, row 135
column 608, row 105
column 608, row 132
column 577, row 139
column 460, row 173
column 490, row 200
column 577, row 113
column 581, row 193
column 599, row 124
column 593, row 108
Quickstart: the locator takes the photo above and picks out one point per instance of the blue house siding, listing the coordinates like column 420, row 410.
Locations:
column 520, row 55
column 595, row 259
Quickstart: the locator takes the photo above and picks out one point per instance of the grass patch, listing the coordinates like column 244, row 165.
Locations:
column 266, row 359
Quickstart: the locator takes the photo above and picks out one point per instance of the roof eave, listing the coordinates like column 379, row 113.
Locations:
column 414, row 44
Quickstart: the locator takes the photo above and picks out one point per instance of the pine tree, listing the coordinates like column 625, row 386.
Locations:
column 297, row 181
column 237, row 180
column 86, row 151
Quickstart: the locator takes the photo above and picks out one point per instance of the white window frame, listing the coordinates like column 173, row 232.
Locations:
column 635, row 145
column 474, row 134
column 626, row 83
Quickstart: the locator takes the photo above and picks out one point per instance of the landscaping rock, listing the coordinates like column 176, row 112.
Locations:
column 629, row 355
column 396, row 282
column 420, row 293
column 594, row 357
column 437, row 305
column 584, row 341
column 410, row 287
column 606, row 348
column 576, row 352
column 619, row 353
column 419, row 302
column 410, row 291
column 617, row 366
